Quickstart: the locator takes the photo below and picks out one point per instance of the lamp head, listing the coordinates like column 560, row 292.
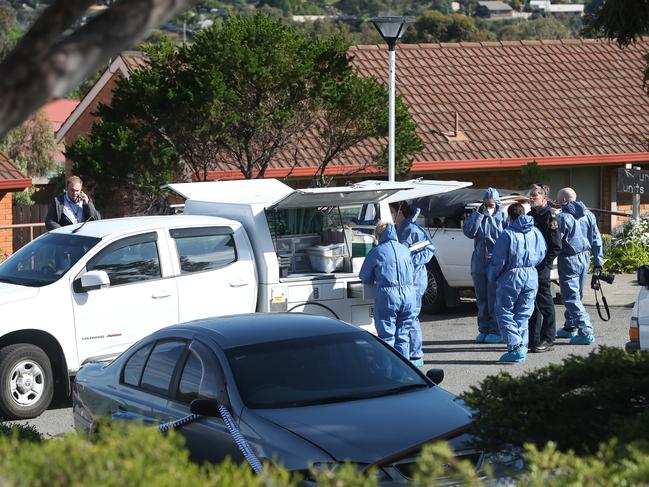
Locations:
column 391, row 28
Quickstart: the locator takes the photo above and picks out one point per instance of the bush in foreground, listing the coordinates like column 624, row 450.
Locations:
column 140, row 456
column 579, row 404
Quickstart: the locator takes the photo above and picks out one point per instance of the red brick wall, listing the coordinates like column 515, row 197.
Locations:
column 6, row 218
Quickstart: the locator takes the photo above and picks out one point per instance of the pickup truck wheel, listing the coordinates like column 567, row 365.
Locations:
column 433, row 300
column 26, row 381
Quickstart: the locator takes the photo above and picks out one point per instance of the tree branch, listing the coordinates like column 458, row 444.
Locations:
column 47, row 64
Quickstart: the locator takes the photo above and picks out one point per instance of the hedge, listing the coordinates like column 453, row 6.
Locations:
column 578, row 404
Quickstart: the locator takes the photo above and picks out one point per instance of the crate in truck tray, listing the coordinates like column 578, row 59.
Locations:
column 326, row 258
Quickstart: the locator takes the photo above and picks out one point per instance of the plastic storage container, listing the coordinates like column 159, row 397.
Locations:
column 361, row 245
column 326, row 258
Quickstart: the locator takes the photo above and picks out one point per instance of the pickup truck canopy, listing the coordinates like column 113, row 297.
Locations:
column 420, row 188
column 274, row 194
column 452, row 204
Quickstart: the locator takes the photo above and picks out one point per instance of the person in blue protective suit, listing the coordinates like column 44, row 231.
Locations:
column 512, row 269
column 581, row 237
column 484, row 226
column 410, row 234
column 389, row 265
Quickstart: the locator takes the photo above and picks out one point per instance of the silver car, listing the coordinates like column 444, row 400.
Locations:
column 302, row 389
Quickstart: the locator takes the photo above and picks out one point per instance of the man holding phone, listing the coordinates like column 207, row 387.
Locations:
column 73, row 206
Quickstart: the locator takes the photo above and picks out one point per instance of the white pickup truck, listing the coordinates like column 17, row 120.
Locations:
column 449, row 272
column 86, row 292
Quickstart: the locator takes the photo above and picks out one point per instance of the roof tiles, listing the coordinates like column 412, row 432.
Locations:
column 518, row 98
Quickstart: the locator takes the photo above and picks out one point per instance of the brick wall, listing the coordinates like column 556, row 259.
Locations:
column 6, row 235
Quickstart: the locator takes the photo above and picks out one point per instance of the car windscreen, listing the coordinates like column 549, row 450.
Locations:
column 319, row 370
column 44, row 260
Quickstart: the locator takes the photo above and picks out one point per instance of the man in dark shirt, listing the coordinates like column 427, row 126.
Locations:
column 542, row 324
column 70, row 207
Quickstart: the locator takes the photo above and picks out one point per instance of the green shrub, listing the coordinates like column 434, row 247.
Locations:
column 579, row 404
column 628, row 248
column 132, row 456
column 22, row 432
column 140, row 456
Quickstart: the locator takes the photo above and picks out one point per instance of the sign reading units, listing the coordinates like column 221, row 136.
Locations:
column 633, row 181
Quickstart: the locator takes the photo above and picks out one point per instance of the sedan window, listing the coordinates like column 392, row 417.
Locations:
column 161, row 365
column 198, row 379
column 135, row 365
column 319, row 370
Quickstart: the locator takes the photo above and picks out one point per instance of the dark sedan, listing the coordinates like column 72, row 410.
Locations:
column 302, row 389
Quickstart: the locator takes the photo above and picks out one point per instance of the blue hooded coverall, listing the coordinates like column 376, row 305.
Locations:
column 389, row 265
column 409, row 233
column 512, row 271
column 485, row 230
column 580, row 237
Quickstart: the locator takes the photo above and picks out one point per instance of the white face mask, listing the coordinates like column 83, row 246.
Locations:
column 490, row 211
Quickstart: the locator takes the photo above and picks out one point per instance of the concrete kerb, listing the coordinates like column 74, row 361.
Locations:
column 622, row 293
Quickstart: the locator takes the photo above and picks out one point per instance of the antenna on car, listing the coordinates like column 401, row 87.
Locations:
column 81, row 226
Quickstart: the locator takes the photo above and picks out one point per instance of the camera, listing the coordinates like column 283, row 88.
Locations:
column 601, row 276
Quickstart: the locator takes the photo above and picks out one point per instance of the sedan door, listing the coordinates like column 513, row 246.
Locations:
column 207, row 439
column 138, row 301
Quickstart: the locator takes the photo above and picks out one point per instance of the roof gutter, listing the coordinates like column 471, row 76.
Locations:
column 452, row 165
column 15, row 184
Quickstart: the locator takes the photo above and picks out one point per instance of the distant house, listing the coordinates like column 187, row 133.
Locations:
column 494, row 10
column 11, row 179
column 80, row 120
column 546, row 6
column 57, row 112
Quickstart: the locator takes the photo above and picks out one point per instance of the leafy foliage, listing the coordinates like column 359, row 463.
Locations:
column 628, row 248
column 435, row 26
column 8, row 31
column 254, row 98
column 19, row 431
column 531, row 173
column 579, row 404
column 32, row 146
column 623, row 20
column 139, row 456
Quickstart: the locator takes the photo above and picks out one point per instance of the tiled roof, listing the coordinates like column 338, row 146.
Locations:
column 10, row 176
column 556, row 102
column 134, row 59
column 522, row 99
column 57, row 111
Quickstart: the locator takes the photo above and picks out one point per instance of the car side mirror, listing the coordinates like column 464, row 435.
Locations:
column 94, row 280
column 435, row 375
column 205, row 407
column 643, row 275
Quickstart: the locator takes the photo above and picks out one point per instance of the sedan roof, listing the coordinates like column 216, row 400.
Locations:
column 250, row 329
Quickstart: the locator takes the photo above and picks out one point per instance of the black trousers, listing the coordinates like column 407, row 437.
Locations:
column 542, row 325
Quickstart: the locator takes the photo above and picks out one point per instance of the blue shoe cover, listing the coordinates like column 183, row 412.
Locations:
column 582, row 340
column 492, row 338
column 480, row 338
column 563, row 333
column 515, row 356
column 418, row 362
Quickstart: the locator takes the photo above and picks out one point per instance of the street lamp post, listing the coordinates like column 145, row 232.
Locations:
column 391, row 29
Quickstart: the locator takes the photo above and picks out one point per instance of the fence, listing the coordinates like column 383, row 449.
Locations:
column 29, row 223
